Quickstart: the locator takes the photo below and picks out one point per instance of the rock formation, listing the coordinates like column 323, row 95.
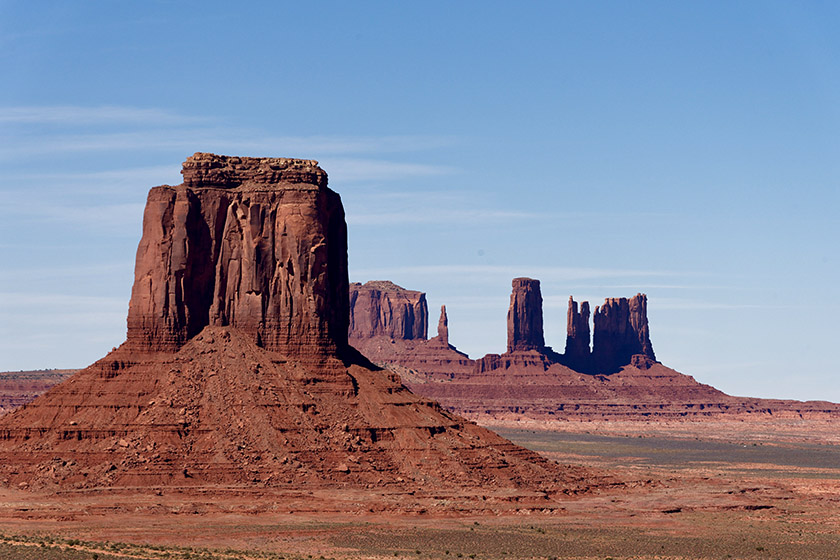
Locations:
column 379, row 312
column 381, row 308
column 443, row 327
column 621, row 332
column 525, row 318
column 258, row 244
column 577, row 354
column 240, row 282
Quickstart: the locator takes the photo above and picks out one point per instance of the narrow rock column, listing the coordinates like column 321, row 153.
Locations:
column 443, row 326
column 525, row 318
column 577, row 335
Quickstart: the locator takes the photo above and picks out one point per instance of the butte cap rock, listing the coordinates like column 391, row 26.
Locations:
column 236, row 369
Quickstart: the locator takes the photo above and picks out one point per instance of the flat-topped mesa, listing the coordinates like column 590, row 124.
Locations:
column 259, row 244
column 382, row 308
column 525, row 318
column 622, row 335
column 577, row 354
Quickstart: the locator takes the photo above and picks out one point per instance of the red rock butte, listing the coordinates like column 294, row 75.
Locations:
column 258, row 244
column 236, row 369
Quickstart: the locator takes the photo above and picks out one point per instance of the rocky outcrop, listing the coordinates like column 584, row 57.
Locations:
column 381, row 308
column 577, row 354
column 258, row 244
column 525, row 318
column 621, row 333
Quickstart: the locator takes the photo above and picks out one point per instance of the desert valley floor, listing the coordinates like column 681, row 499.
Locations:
column 712, row 489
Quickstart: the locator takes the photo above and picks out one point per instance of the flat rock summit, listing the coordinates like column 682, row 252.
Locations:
column 237, row 370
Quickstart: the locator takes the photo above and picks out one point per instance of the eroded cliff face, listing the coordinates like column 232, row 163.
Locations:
column 258, row 244
column 621, row 334
column 525, row 317
column 381, row 308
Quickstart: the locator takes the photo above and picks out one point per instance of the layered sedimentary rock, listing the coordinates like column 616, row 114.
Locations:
column 621, row 332
column 381, row 308
column 241, row 279
column 525, row 318
column 258, row 244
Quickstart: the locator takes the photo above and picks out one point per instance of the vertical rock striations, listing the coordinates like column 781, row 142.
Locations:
column 621, row 334
column 524, row 318
column 577, row 354
column 381, row 308
column 258, row 244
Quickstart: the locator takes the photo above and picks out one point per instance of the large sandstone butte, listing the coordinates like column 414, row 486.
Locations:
column 236, row 369
column 616, row 378
column 258, row 244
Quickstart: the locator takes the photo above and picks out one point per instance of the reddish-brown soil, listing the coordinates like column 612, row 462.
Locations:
column 679, row 494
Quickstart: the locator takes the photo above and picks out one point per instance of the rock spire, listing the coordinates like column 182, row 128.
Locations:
column 525, row 318
column 443, row 326
column 577, row 353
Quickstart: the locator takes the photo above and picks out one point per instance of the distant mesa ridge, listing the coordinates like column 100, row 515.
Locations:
column 608, row 370
column 382, row 309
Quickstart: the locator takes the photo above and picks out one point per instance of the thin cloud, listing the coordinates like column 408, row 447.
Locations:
column 75, row 115
column 492, row 272
column 10, row 300
column 420, row 216
column 349, row 170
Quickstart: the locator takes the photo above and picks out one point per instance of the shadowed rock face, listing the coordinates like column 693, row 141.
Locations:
column 577, row 353
column 621, row 332
column 381, row 308
column 525, row 319
column 258, row 244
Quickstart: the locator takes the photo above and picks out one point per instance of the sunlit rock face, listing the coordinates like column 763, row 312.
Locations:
column 258, row 244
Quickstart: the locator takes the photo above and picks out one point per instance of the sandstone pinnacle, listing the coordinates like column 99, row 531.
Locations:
column 525, row 318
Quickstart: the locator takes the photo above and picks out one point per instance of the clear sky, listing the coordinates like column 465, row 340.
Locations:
column 688, row 150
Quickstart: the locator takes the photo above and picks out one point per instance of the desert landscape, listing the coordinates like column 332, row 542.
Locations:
column 260, row 407
column 439, row 280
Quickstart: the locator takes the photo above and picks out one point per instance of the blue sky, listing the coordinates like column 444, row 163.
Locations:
column 685, row 150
